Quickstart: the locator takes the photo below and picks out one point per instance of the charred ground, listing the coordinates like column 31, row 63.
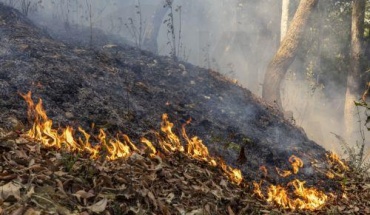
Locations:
column 120, row 88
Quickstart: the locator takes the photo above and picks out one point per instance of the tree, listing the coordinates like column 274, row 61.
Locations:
column 152, row 30
column 284, row 18
column 353, row 92
column 286, row 53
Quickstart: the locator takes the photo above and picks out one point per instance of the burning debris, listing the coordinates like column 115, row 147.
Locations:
column 74, row 170
column 64, row 139
column 116, row 148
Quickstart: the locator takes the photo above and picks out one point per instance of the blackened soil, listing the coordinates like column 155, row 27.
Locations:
column 118, row 87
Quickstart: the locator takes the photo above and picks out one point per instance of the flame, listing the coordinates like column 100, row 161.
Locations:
column 296, row 163
column 234, row 175
column 334, row 159
column 257, row 190
column 173, row 142
column 283, row 173
column 301, row 198
column 120, row 147
column 330, row 175
column 195, row 147
column 150, row 146
column 307, row 198
column 264, row 170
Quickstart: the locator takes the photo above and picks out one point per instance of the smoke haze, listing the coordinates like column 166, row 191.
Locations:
column 237, row 38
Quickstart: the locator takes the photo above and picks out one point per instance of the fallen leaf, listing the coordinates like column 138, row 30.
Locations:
column 199, row 211
column 10, row 189
column 7, row 176
column 31, row 211
column 230, row 211
column 82, row 194
column 99, row 206
column 152, row 198
column 18, row 211
column 170, row 197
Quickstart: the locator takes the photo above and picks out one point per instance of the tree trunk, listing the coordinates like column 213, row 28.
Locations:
column 353, row 79
column 284, row 19
column 286, row 53
column 152, row 30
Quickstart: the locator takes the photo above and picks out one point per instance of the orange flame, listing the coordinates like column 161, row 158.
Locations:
column 257, row 190
column 195, row 147
column 307, row 198
column 234, row 175
column 264, row 170
column 334, row 159
column 283, row 173
column 117, row 148
column 173, row 142
column 296, row 163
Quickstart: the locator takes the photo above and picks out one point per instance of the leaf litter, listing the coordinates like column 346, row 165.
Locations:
column 38, row 180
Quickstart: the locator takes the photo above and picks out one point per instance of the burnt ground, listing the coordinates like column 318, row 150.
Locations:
column 119, row 87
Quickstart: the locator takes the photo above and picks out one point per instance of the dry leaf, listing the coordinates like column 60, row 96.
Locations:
column 152, row 198
column 82, row 194
column 230, row 211
column 170, row 197
column 99, row 206
column 31, row 211
column 18, row 211
column 10, row 189
column 199, row 211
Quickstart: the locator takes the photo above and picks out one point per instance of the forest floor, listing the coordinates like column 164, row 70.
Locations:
column 40, row 180
column 122, row 90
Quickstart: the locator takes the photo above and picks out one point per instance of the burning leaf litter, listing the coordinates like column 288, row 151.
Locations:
column 97, row 173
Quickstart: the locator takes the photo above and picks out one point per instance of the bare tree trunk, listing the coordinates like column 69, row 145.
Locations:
column 284, row 19
column 286, row 53
column 152, row 30
column 353, row 79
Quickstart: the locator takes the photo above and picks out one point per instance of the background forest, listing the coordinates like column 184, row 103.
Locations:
column 237, row 38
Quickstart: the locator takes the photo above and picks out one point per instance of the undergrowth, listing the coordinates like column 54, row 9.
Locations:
column 358, row 156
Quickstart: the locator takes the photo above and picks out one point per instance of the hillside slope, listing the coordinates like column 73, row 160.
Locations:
column 118, row 87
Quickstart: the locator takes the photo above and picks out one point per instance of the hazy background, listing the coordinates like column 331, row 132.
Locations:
column 235, row 37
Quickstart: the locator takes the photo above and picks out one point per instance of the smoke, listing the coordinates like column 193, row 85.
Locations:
column 235, row 37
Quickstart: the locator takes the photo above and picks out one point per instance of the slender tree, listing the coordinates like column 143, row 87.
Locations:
column 353, row 92
column 284, row 18
column 153, row 27
column 286, row 53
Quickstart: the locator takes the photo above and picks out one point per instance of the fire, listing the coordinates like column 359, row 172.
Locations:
column 334, row 159
column 195, row 147
column 120, row 147
column 173, row 142
column 296, row 163
column 307, row 198
column 302, row 198
column 263, row 169
column 257, row 190
column 283, row 173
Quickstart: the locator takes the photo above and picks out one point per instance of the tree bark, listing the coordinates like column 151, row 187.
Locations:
column 353, row 79
column 284, row 19
column 286, row 53
column 152, row 30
